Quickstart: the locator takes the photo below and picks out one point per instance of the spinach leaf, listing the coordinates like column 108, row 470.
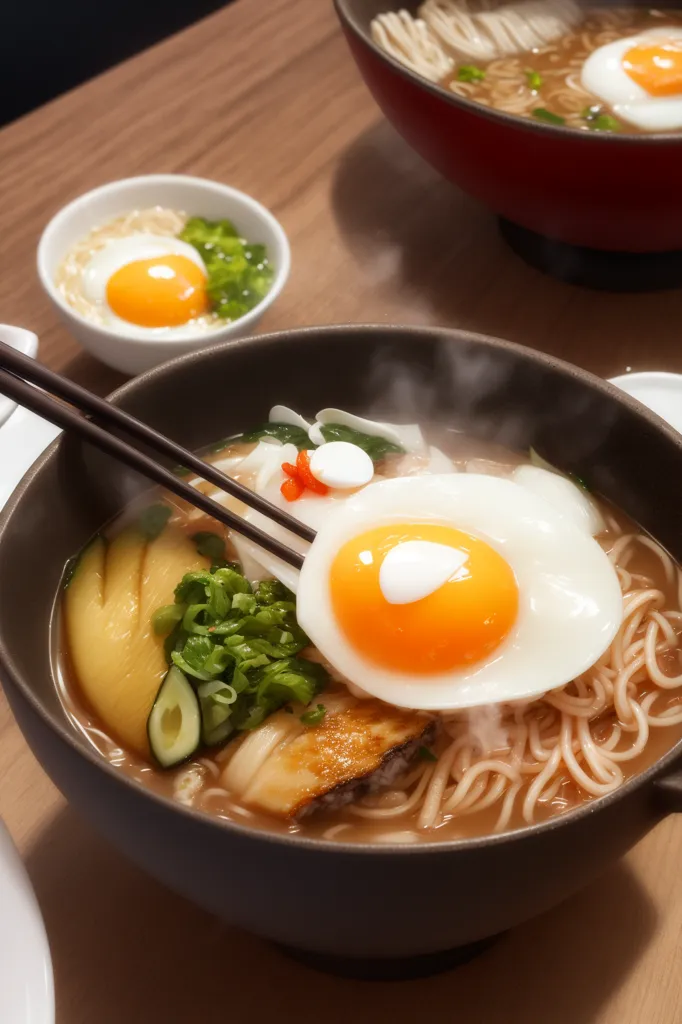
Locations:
column 287, row 433
column 376, row 447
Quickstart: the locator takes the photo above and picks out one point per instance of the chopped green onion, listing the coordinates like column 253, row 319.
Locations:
column 534, row 80
column 470, row 73
column 238, row 650
column 426, row 754
column 541, row 114
column 210, row 545
column 153, row 520
column 166, row 619
column 605, row 123
column 315, row 716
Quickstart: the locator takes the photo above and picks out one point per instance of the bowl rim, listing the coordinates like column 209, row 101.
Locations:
column 80, row 202
column 434, row 848
column 627, row 138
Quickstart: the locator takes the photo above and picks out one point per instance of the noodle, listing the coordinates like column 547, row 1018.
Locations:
column 509, row 764
column 69, row 277
column 551, row 37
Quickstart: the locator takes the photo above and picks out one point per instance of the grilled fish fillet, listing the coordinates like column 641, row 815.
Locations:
column 361, row 746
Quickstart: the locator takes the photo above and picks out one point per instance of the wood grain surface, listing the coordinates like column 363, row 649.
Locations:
column 264, row 96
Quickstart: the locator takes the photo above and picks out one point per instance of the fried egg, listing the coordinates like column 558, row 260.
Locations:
column 446, row 592
column 640, row 78
column 147, row 282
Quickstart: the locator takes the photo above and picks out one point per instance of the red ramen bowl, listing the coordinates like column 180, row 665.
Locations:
column 588, row 189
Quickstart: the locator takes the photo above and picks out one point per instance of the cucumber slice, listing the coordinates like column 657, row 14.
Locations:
column 174, row 723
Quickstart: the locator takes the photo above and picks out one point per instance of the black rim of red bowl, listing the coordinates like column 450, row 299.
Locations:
column 489, row 113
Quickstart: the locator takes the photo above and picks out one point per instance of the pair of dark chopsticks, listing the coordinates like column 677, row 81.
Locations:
column 34, row 386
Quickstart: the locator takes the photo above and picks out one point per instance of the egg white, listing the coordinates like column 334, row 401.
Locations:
column 570, row 601
column 604, row 76
column 117, row 253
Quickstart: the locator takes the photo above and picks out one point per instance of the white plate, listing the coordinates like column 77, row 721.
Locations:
column 26, row 985
column 660, row 392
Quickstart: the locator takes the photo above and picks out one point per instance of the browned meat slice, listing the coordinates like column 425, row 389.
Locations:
column 360, row 746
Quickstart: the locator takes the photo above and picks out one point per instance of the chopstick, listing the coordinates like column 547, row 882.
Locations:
column 103, row 412
column 49, row 408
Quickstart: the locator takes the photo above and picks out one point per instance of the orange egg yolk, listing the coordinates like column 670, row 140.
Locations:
column 459, row 624
column 162, row 292
column 657, row 68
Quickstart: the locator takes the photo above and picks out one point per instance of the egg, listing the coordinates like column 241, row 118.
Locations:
column 640, row 77
column 524, row 600
column 571, row 502
column 147, row 282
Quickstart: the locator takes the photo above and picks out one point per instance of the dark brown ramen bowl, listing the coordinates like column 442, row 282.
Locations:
column 358, row 901
column 591, row 189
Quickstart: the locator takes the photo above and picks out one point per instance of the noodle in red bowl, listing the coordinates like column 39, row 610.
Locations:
column 546, row 96
column 252, row 722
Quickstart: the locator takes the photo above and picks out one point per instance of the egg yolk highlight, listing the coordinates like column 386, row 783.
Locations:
column 162, row 292
column 657, row 68
column 459, row 624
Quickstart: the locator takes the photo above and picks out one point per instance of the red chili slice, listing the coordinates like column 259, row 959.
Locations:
column 292, row 488
column 290, row 470
column 305, row 474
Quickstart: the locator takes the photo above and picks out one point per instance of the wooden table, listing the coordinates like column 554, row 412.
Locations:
column 264, row 96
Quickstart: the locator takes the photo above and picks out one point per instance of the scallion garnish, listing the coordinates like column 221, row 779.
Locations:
column 211, row 546
column 237, row 645
column 315, row 716
column 470, row 73
column 426, row 754
column 604, row 123
column 152, row 520
column 534, row 79
column 541, row 114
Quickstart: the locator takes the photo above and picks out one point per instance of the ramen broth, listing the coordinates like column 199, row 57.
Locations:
column 378, row 817
column 548, row 79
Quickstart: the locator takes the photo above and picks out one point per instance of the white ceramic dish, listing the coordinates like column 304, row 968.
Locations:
column 661, row 392
column 25, row 342
column 26, row 983
column 23, row 435
column 133, row 353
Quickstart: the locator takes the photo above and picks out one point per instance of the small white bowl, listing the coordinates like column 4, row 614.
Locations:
column 133, row 353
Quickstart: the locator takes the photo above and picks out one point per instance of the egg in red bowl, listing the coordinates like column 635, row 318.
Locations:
column 592, row 158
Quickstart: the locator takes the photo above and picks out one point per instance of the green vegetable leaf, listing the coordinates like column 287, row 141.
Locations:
column 534, row 79
column 287, row 433
column 470, row 73
column 238, row 647
column 152, row 520
column 314, row 717
column 272, row 591
column 376, row 447
column 239, row 274
column 546, row 115
column 165, row 619
column 604, row 123
column 210, row 545
column 426, row 754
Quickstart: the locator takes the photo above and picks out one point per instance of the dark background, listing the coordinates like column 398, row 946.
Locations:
column 49, row 46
